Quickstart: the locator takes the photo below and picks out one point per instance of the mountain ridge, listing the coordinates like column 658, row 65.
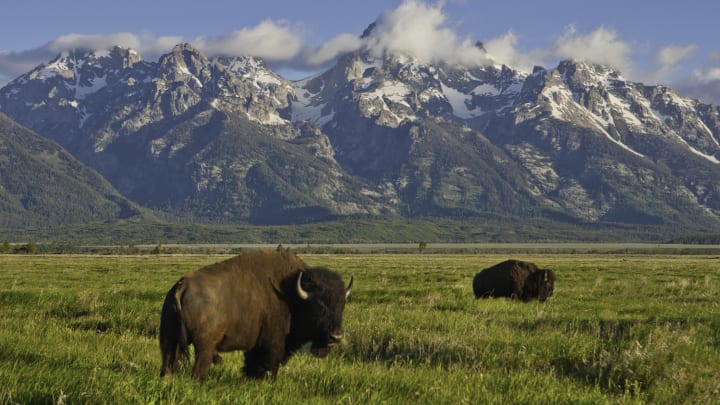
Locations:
column 43, row 185
column 228, row 140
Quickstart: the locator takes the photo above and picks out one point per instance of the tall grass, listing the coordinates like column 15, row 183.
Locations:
column 620, row 329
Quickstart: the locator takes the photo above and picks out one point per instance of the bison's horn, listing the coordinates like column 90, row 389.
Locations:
column 348, row 290
column 304, row 295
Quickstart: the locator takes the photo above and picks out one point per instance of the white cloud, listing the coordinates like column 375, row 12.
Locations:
column 340, row 44
column 151, row 47
column 704, row 82
column 671, row 56
column 503, row 50
column 707, row 74
column 94, row 42
column 710, row 71
column 668, row 61
column 420, row 30
column 600, row 46
column 16, row 63
column 269, row 40
column 416, row 28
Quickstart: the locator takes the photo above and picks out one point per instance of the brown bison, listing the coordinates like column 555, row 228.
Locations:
column 268, row 304
column 514, row 279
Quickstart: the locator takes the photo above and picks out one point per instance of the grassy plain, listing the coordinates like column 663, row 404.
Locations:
column 621, row 328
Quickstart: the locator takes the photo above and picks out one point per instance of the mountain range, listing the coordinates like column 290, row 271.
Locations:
column 226, row 140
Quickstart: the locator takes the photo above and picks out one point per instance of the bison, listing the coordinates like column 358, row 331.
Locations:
column 514, row 279
column 267, row 304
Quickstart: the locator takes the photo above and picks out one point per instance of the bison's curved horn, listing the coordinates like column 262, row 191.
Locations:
column 304, row 295
column 348, row 289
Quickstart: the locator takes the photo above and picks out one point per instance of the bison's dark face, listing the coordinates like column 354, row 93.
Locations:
column 324, row 296
column 546, row 284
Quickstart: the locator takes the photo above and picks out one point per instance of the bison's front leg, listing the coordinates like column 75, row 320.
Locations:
column 257, row 363
column 261, row 362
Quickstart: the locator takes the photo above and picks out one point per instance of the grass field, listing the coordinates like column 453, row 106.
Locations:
column 621, row 328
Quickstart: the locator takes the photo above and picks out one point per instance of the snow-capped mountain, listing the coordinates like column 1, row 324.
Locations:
column 579, row 138
column 229, row 140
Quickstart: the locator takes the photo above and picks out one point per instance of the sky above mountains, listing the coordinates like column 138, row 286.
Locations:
column 667, row 42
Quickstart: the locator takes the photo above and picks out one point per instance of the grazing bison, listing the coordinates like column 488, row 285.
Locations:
column 268, row 304
column 514, row 279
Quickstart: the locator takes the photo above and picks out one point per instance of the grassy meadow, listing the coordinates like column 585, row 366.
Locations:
column 621, row 328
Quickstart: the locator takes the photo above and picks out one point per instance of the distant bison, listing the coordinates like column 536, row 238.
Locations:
column 514, row 279
column 268, row 304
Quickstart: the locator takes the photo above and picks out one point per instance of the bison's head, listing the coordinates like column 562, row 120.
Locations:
column 545, row 284
column 323, row 296
column 539, row 284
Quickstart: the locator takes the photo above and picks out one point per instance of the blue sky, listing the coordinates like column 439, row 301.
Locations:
column 668, row 42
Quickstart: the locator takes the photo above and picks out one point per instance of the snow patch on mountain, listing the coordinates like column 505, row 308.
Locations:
column 96, row 84
column 394, row 91
column 307, row 107
column 58, row 67
column 697, row 152
column 460, row 103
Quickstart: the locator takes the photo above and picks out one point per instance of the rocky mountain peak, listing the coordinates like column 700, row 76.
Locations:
column 376, row 133
column 584, row 74
column 183, row 62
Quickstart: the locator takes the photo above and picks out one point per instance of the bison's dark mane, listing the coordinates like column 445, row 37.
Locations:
column 320, row 283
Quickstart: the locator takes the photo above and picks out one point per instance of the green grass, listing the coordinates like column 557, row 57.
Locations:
column 621, row 328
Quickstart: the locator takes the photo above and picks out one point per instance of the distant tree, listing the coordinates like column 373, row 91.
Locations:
column 29, row 249
column 422, row 246
column 5, row 247
column 157, row 249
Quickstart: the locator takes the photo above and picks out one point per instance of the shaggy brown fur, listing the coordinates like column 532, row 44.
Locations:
column 514, row 279
column 252, row 303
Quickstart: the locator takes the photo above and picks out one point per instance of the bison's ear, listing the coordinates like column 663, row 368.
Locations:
column 304, row 295
column 348, row 289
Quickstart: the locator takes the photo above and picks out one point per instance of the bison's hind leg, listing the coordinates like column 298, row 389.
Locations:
column 204, row 357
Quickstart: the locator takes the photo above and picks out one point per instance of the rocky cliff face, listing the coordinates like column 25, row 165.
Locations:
column 228, row 140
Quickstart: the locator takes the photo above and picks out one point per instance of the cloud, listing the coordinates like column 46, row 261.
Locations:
column 503, row 50
column 16, row 63
column 601, row 46
column 421, row 31
column 416, row 28
column 704, row 82
column 270, row 40
column 342, row 43
column 94, row 42
column 671, row 56
column 668, row 61
column 151, row 47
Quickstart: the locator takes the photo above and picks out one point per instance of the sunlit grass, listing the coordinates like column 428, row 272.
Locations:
column 621, row 328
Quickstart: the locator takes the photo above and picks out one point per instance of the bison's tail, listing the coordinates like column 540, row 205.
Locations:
column 174, row 339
